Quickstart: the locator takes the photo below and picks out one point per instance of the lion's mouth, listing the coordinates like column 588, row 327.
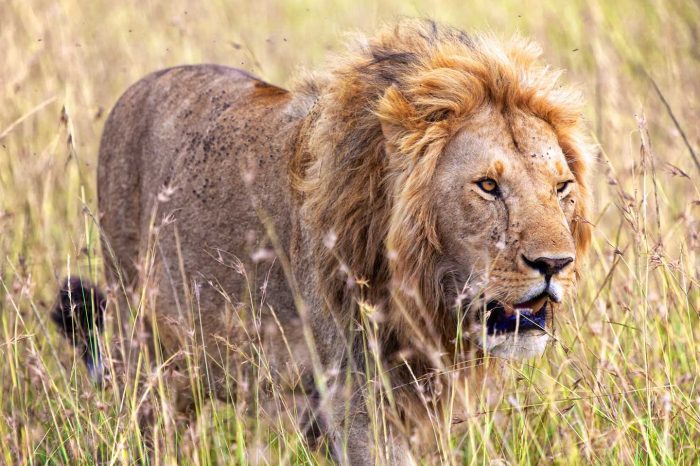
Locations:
column 506, row 318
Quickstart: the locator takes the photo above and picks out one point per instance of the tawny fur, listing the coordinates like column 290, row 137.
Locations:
column 223, row 186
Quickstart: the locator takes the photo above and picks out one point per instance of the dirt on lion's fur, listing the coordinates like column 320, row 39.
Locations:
column 336, row 272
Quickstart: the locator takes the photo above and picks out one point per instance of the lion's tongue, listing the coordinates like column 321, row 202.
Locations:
column 532, row 305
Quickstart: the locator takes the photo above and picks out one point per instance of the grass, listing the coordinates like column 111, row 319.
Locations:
column 620, row 385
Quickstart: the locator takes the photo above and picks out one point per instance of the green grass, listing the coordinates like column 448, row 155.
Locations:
column 620, row 385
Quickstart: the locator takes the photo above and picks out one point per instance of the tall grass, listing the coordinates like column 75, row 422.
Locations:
column 620, row 383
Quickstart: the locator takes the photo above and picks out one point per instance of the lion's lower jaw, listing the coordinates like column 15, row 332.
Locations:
column 514, row 345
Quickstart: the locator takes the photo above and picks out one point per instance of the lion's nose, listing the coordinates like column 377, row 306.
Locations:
column 548, row 266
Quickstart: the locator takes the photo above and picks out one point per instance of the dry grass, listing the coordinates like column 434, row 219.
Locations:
column 619, row 386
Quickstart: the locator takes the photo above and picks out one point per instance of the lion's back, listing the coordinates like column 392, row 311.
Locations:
column 200, row 152
column 175, row 133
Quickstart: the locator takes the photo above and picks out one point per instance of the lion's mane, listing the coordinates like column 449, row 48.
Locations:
column 409, row 89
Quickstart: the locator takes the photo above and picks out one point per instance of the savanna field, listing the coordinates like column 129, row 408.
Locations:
column 618, row 385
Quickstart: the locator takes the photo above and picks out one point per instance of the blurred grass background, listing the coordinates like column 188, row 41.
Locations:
column 621, row 386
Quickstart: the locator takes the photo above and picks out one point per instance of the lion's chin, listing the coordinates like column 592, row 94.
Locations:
column 521, row 345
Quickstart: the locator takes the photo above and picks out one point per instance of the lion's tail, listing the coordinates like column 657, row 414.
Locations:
column 79, row 314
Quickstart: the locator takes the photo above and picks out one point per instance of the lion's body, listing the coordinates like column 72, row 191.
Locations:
column 254, row 211
column 200, row 157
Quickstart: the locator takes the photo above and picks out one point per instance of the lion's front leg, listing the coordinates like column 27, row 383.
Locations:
column 355, row 440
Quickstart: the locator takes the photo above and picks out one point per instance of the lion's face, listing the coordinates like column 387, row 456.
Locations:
column 505, row 199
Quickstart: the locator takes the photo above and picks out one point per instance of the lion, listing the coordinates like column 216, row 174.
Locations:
column 429, row 180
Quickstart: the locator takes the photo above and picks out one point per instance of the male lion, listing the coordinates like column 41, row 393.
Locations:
column 433, row 182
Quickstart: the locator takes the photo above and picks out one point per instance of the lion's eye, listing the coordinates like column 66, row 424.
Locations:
column 563, row 188
column 488, row 186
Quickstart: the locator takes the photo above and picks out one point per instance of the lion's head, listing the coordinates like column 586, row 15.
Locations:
column 452, row 171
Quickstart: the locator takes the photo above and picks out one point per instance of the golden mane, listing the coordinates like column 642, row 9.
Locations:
column 377, row 124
